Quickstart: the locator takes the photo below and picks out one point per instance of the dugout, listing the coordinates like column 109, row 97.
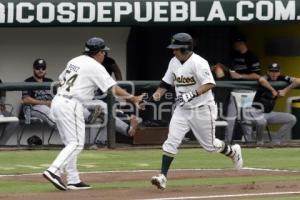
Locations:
column 138, row 31
column 296, row 111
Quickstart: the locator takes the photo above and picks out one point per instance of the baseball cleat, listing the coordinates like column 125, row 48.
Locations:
column 159, row 181
column 95, row 114
column 134, row 125
column 237, row 156
column 79, row 186
column 55, row 180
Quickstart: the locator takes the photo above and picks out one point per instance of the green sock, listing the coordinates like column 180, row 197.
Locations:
column 165, row 165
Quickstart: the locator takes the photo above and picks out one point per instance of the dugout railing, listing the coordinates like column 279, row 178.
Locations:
column 141, row 85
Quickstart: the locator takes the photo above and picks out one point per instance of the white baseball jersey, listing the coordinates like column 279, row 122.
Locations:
column 82, row 76
column 197, row 115
column 188, row 77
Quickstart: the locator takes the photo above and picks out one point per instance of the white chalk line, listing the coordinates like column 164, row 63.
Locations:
column 226, row 196
column 191, row 197
column 174, row 170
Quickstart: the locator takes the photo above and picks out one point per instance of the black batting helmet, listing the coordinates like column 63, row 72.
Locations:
column 94, row 45
column 181, row 41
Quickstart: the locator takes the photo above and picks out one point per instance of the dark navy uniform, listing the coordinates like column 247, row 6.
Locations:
column 264, row 96
column 40, row 111
column 38, row 94
column 263, row 114
column 245, row 63
column 107, row 63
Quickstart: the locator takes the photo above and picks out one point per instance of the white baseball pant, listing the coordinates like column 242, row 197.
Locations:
column 68, row 115
column 201, row 121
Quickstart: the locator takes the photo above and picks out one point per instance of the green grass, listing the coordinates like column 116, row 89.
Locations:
column 36, row 161
column 20, row 162
column 24, row 187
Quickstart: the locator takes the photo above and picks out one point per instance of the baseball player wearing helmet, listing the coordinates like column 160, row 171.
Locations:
column 81, row 77
column 196, row 109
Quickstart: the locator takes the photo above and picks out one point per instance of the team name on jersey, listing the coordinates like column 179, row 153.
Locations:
column 73, row 68
column 184, row 81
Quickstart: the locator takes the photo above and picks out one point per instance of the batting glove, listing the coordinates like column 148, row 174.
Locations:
column 186, row 97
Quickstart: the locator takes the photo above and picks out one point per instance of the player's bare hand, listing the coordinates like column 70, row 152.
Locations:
column 275, row 93
column 218, row 70
column 282, row 93
column 47, row 103
column 235, row 75
column 139, row 101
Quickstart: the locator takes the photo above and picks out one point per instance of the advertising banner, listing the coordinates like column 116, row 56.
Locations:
column 146, row 12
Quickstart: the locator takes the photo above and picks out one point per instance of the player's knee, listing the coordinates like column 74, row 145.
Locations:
column 170, row 148
column 76, row 146
column 293, row 120
column 261, row 122
column 79, row 147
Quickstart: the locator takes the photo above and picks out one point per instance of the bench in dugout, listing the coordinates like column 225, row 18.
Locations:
column 7, row 119
column 243, row 101
column 26, row 120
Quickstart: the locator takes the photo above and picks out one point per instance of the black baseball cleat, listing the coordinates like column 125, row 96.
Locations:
column 96, row 113
column 55, row 180
column 79, row 186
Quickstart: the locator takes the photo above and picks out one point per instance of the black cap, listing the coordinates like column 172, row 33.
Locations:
column 94, row 45
column 274, row 67
column 39, row 63
column 181, row 40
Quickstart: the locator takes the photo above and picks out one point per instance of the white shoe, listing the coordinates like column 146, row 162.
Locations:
column 237, row 156
column 159, row 181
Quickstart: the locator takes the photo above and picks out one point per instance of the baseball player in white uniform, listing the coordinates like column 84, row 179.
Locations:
column 196, row 110
column 82, row 76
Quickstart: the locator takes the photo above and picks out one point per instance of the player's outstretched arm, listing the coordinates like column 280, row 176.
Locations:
column 136, row 100
column 294, row 84
column 160, row 91
column 158, row 94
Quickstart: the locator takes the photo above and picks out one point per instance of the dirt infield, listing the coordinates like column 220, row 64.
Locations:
column 198, row 192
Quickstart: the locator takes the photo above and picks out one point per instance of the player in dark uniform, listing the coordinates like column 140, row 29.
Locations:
column 2, row 102
column 264, row 103
column 246, row 66
column 245, row 63
column 39, row 100
column 127, row 128
column 112, row 67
